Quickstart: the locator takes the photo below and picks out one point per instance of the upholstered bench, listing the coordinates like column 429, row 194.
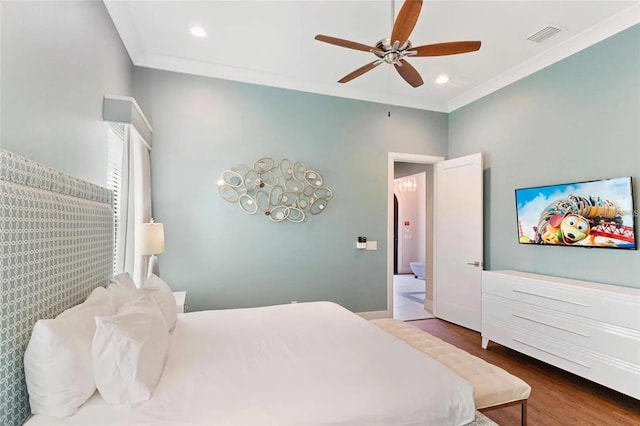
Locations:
column 493, row 387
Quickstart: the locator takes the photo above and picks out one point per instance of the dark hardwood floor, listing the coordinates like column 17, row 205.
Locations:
column 557, row 397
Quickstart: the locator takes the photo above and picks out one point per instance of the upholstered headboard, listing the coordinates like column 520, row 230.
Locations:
column 56, row 246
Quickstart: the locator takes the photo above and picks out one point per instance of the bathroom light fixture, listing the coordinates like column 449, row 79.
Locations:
column 442, row 79
column 408, row 185
column 198, row 32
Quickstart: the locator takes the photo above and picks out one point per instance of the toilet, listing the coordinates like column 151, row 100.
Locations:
column 418, row 269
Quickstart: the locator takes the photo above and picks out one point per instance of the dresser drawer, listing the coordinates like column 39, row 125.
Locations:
column 615, row 341
column 615, row 374
column 617, row 309
column 589, row 329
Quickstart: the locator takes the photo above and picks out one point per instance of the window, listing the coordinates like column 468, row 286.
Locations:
column 115, row 160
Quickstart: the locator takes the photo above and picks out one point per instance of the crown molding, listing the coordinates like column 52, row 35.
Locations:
column 187, row 66
column 607, row 28
column 121, row 17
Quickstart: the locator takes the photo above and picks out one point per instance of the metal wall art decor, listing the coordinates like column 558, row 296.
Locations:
column 281, row 191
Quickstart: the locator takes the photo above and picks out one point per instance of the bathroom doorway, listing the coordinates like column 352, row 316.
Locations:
column 412, row 233
column 452, row 271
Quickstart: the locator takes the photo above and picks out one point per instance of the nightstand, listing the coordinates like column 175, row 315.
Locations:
column 180, row 301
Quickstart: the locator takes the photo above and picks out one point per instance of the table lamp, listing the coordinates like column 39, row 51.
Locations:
column 152, row 243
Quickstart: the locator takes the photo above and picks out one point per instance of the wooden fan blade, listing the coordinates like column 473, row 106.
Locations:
column 345, row 43
column 409, row 73
column 360, row 71
column 406, row 21
column 443, row 49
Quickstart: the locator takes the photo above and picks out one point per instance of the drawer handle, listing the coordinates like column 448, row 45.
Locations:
column 552, row 325
column 551, row 353
column 552, row 298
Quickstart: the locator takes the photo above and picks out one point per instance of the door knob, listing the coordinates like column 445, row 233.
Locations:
column 476, row 263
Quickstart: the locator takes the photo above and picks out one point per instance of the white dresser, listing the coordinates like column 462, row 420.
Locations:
column 589, row 329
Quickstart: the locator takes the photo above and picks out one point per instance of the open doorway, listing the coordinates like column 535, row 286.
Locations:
column 424, row 303
column 413, row 232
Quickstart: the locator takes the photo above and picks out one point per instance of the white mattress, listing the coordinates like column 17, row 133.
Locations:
column 299, row 364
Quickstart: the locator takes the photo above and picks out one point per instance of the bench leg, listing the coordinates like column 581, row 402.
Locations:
column 523, row 409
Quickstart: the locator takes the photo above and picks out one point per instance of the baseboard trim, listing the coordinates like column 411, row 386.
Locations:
column 374, row 315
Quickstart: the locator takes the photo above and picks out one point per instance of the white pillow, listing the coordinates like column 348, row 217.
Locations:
column 99, row 301
column 123, row 280
column 162, row 294
column 129, row 351
column 57, row 361
column 121, row 288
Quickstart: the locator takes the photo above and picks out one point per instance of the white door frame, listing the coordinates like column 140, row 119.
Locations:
column 394, row 157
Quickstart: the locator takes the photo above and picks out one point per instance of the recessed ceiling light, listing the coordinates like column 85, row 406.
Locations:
column 198, row 32
column 442, row 79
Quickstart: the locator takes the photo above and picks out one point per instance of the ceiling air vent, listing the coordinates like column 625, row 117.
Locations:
column 544, row 34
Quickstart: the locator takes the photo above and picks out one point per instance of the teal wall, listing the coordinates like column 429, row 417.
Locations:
column 576, row 120
column 58, row 61
column 225, row 258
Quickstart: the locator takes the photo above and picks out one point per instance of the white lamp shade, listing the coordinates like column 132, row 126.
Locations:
column 151, row 238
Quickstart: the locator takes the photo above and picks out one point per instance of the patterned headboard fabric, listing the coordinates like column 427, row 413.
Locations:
column 56, row 246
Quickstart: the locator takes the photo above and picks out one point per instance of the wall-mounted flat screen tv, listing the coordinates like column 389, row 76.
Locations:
column 597, row 213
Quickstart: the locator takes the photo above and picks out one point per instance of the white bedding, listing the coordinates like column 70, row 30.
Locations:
column 299, row 364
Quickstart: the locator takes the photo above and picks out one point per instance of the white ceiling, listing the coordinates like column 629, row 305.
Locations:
column 272, row 42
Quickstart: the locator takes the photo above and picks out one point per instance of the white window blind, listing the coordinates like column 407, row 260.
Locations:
column 115, row 159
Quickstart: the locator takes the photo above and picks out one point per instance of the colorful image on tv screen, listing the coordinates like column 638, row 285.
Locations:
column 593, row 214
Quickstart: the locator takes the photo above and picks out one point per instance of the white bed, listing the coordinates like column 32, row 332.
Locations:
column 303, row 364
column 299, row 364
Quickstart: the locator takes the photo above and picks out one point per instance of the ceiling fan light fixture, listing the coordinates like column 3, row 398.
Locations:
column 198, row 32
column 442, row 79
column 396, row 49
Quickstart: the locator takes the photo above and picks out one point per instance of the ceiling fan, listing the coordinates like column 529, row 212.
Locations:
column 395, row 49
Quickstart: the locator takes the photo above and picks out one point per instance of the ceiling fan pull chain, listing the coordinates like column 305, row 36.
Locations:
column 389, row 85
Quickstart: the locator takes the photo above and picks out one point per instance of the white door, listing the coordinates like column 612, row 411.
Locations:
column 458, row 240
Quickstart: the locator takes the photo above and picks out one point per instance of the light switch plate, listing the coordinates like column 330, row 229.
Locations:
column 372, row 245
